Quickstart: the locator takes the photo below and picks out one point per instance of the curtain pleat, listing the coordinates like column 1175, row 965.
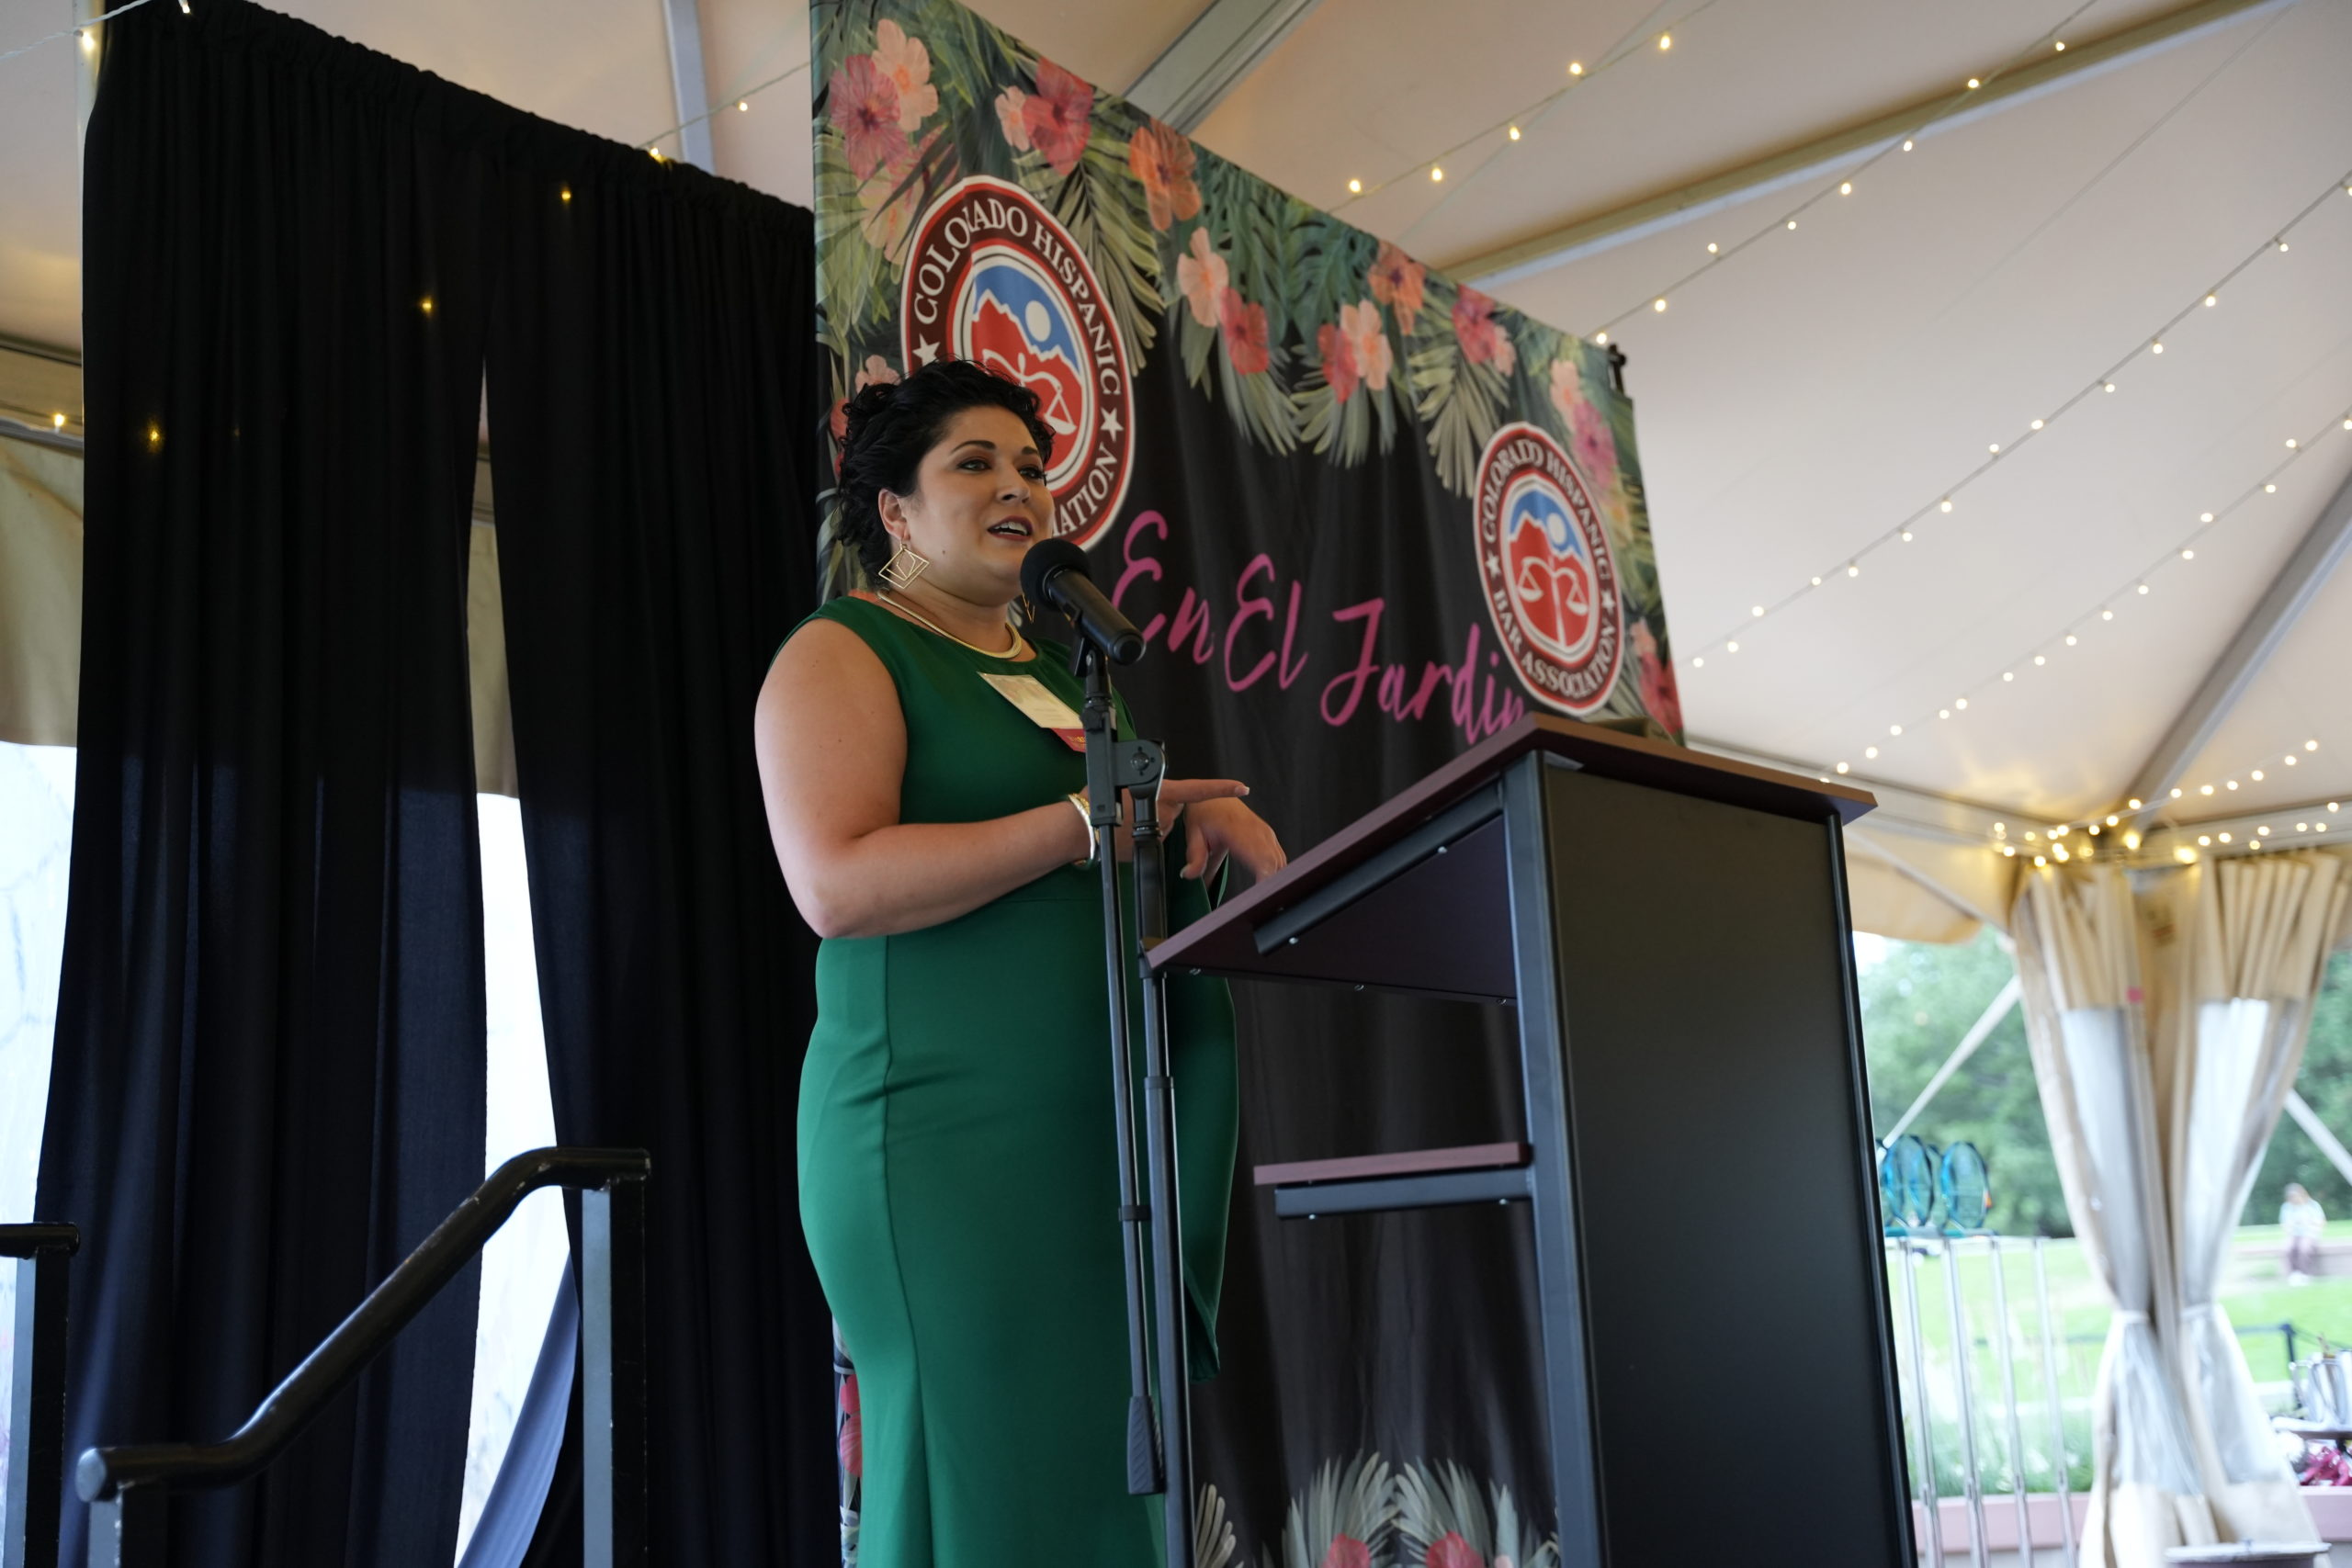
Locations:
column 268, row 1078
column 2167, row 1020
column 654, row 417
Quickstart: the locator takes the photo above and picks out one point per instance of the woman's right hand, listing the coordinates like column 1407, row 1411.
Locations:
column 1174, row 796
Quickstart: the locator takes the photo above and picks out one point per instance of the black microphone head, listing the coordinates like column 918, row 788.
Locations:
column 1046, row 558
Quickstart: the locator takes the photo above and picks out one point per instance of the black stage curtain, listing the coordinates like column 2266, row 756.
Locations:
column 654, row 414
column 268, row 1080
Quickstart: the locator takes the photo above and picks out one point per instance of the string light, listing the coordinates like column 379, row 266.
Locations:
column 2068, row 635
column 1436, row 173
column 1997, row 452
column 743, row 106
column 1658, row 305
column 742, row 102
column 57, row 422
column 1578, row 74
column 1845, row 186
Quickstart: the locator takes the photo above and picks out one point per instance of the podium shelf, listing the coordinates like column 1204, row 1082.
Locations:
column 1417, row 1179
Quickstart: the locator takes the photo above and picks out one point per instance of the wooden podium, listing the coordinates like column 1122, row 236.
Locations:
column 1672, row 929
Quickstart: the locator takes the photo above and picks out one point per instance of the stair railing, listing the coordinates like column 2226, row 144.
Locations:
column 129, row 1488
column 37, row 1394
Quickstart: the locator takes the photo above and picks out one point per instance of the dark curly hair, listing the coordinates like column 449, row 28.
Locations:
column 892, row 424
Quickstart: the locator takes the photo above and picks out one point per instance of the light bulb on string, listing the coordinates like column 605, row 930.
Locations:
column 1907, row 146
column 1355, row 188
column 1845, row 187
column 1514, row 133
column 1436, row 174
column 1665, row 42
column 1575, row 67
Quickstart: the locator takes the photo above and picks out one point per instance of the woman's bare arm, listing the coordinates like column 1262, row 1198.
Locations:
column 833, row 751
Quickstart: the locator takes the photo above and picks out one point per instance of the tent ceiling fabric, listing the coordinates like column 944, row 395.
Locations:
column 1795, row 403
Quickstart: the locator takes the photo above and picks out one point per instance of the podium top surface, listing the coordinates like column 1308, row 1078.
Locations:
column 1225, row 941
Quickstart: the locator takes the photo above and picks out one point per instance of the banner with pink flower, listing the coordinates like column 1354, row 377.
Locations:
column 1364, row 516
column 1176, row 313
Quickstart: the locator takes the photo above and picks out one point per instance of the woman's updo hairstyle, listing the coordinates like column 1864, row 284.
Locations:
column 892, row 424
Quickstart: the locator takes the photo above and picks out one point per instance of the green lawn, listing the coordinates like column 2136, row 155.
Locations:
column 2253, row 1293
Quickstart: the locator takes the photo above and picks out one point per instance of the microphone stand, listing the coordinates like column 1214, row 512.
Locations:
column 1159, row 1442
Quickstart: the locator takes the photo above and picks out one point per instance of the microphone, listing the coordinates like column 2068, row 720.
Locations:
column 1054, row 573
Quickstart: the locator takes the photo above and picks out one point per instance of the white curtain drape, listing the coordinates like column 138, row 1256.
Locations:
column 2239, row 948
column 2165, row 1029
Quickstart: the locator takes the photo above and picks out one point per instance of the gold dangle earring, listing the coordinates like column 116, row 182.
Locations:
column 903, row 567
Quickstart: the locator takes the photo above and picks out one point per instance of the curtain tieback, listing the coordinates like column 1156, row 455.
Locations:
column 2128, row 1315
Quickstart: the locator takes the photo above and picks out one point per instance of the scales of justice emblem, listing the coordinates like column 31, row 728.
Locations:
column 994, row 278
column 1549, row 579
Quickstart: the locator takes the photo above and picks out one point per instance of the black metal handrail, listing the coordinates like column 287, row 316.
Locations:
column 37, row 1393
column 127, row 1486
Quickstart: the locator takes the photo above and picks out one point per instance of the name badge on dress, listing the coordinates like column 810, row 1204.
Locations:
column 1040, row 706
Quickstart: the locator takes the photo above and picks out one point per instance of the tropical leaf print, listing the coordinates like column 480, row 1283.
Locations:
column 1213, row 1541
column 1101, row 204
column 1444, row 1521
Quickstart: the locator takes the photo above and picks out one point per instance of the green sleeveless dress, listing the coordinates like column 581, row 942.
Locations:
column 958, row 1183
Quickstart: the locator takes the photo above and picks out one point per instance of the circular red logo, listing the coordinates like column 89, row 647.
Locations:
column 1551, row 584
column 992, row 279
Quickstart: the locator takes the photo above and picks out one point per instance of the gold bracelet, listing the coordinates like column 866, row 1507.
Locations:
column 1085, row 817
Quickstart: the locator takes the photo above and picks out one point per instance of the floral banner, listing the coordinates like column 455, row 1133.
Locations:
column 976, row 199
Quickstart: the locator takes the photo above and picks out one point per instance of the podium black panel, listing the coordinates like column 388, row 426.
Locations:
column 1731, row 1299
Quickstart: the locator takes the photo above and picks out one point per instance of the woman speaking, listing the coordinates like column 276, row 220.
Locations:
column 958, row 1175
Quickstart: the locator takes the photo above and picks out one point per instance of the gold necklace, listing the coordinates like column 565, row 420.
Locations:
column 1019, row 646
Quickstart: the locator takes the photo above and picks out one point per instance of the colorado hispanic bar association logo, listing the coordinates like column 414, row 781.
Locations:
column 994, row 280
column 1550, row 583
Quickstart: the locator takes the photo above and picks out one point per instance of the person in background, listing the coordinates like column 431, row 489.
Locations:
column 2303, row 1219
